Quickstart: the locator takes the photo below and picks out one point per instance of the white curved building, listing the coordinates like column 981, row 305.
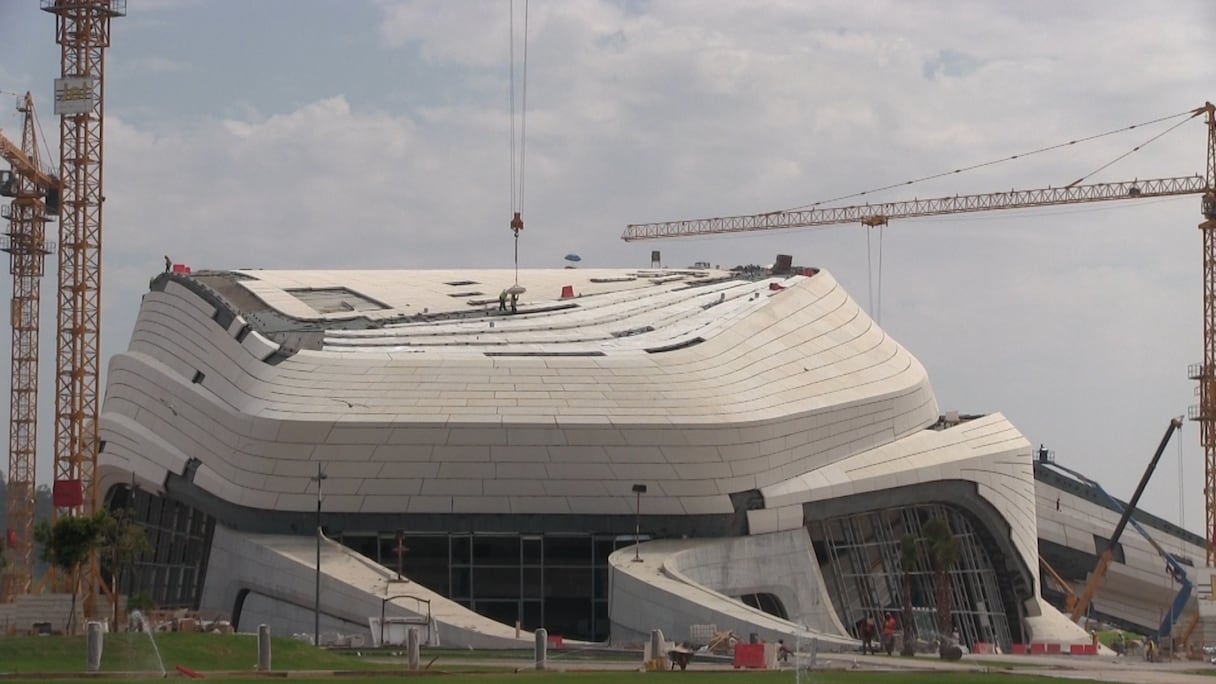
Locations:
column 785, row 443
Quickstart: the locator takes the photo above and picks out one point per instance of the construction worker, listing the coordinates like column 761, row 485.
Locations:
column 888, row 634
column 866, row 632
column 783, row 651
column 1150, row 650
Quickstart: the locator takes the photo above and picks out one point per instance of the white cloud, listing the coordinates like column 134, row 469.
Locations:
column 161, row 65
column 468, row 33
column 1078, row 324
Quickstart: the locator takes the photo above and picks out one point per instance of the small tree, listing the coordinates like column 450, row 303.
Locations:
column 123, row 540
column 909, row 554
column 943, row 554
column 67, row 545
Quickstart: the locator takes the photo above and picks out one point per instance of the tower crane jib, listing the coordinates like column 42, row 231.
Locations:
column 880, row 214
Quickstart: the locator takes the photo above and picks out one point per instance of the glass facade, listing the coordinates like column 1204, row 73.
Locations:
column 859, row 556
column 172, row 574
column 555, row 581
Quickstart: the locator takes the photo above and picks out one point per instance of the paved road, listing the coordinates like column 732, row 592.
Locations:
column 1103, row 669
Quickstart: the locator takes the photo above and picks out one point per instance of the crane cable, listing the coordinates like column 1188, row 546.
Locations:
column 1189, row 114
column 878, row 311
column 875, row 293
column 48, row 169
column 517, row 175
column 1128, row 153
column 1181, row 490
column 45, row 153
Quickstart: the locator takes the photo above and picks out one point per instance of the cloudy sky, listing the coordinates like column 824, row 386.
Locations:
column 309, row 134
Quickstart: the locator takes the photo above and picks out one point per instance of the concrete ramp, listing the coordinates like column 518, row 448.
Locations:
column 678, row 583
column 270, row 579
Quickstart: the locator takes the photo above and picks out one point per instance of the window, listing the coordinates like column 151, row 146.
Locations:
column 462, row 550
column 171, row 574
column 495, row 550
column 532, row 551
column 567, row 551
column 498, row 583
column 768, row 603
column 859, row 557
column 553, row 581
column 335, row 299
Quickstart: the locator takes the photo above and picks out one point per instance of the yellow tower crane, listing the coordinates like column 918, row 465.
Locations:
column 82, row 30
column 35, row 201
column 1075, row 193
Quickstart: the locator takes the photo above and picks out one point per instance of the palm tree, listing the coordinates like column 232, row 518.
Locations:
column 909, row 554
column 943, row 554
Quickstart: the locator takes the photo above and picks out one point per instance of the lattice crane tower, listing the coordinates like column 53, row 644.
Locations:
column 82, row 30
column 35, row 200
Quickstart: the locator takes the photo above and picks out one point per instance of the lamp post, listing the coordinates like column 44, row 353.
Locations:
column 638, row 489
column 316, row 609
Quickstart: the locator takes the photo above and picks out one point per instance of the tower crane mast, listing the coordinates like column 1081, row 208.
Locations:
column 82, row 30
column 35, row 200
column 880, row 214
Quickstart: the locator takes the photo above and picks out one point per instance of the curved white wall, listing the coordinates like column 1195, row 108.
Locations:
column 800, row 379
column 685, row 582
column 988, row 451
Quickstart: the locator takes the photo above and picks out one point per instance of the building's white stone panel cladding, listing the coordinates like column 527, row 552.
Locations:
column 988, row 451
column 699, row 385
column 785, row 382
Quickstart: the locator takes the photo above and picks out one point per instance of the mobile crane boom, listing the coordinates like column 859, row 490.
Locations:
column 1108, row 554
column 1172, row 565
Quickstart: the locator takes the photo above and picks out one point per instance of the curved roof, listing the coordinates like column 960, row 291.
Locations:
column 699, row 383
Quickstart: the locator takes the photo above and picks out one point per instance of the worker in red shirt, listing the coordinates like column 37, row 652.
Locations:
column 888, row 634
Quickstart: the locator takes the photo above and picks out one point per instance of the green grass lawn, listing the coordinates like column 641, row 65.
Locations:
column 232, row 653
column 1107, row 637
column 127, row 652
column 742, row 677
